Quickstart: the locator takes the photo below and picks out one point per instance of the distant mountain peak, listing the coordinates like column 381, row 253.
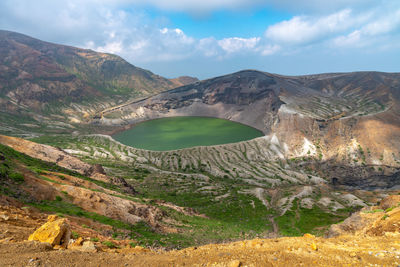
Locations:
column 36, row 73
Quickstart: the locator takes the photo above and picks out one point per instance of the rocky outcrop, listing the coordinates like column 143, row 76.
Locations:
column 82, row 245
column 375, row 221
column 111, row 206
column 52, row 154
column 55, row 232
column 390, row 202
column 127, row 188
column 65, row 160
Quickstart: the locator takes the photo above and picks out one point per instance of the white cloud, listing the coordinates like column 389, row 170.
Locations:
column 208, row 47
column 236, row 44
column 352, row 39
column 382, row 25
column 112, row 47
column 138, row 46
column 269, row 49
column 152, row 44
column 301, row 29
column 371, row 32
column 176, row 35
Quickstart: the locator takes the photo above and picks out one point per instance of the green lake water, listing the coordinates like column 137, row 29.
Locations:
column 180, row 132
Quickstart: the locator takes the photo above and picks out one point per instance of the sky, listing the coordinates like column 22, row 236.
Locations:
column 208, row 38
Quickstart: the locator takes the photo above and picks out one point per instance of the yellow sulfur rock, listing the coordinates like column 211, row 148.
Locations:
column 314, row 246
column 307, row 235
column 235, row 263
column 55, row 232
column 78, row 243
column 52, row 218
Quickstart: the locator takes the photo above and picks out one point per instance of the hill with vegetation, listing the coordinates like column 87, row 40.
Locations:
column 45, row 84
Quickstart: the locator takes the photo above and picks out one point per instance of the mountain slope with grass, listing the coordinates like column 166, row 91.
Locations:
column 102, row 203
column 42, row 82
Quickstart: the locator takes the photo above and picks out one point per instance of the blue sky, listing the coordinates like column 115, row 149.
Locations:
column 208, row 38
column 222, row 23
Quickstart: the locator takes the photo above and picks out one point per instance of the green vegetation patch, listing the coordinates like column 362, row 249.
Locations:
column 63, row 207
column 298, row 221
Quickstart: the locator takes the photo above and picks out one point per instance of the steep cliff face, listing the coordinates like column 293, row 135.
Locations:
column 353, row 128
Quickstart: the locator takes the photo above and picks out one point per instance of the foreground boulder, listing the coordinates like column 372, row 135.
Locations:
column 55, row 232
column 82, row 245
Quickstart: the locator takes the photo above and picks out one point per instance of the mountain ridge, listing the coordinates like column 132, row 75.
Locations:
column 67, row 56
column 57, row 80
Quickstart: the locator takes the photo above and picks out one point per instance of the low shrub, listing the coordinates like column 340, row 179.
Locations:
column 17, row 177
column 109, row 244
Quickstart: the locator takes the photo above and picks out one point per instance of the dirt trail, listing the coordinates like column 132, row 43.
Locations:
column 274, row 198
column 275, row 228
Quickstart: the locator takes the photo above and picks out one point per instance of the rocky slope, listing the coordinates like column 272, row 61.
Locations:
column 367, row 237
column 247, row 97
column 50, row 179
column 183, row 80
column 63, row 159
column 380, row 220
